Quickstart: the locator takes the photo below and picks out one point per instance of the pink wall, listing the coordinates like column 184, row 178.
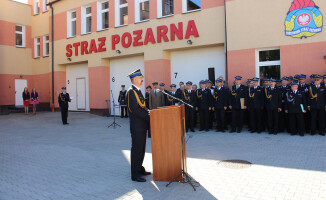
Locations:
column 241, row 63
column 99, row 86
column 158, row 70
column 303, row 59
column 60, row 26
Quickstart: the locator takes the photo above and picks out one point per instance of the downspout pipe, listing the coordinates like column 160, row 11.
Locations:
column 52, row 49
column 226, row 46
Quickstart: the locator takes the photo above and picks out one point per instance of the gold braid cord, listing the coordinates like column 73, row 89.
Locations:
column 233, row 93
column 199, row 96
column 251, row 95
column 184, row 94
column 169, row 99
column 312, row 96
column 215, row 97
column 142, row 105
column 62, row 99
column 267, row 96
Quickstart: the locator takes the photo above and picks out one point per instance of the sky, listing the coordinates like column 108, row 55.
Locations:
column 22, row 1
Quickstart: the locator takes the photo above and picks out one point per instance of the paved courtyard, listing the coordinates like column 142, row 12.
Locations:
column 42, row 159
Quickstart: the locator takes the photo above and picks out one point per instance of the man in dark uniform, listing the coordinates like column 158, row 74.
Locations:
column 122, row 101
column 211, row 113
column 63, row 100
column 246, row 112
column 139, row 118
column 189, row 96
column 203, row 105
column 179, row 92
column 220, row 104
column 316, row 104
column 303, row 87
column 170, row 100
column 255, row 106
column 283, row 117
column 296, row 106
column 238, row 94
column 273, row 104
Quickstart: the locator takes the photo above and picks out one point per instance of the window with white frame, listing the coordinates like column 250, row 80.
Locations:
column 71, row 23
column 20, row 35
column 36, row 7
column 268, row 63
column 191, row 5
column 141, row 10
column 37, row 47
column 165, row 8
column 102, row 15
column 121, row 12
column 86, row 22
column 45, row 45
column 44, row 6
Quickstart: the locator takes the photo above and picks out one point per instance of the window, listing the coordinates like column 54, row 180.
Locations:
column 36, row 47
column 86, row 20
column 142, row 10
column 268, row 63
column 20, row 35
column 71, row 23
column 45, row 45
column 44, row 6
column 165, row 8
column 191, row 5
column 36, row 7
column 121, row 16
column 102, row 15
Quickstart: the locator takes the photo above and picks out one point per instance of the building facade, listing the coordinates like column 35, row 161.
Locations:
column 97, row 43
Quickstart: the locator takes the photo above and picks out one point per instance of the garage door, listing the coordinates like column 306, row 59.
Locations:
column 77, row 86
column 119, row 70
column 195, row 64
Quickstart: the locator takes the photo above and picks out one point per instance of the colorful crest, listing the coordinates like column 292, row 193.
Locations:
column 304, row 19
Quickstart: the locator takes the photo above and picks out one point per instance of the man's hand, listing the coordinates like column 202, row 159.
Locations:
column 196, row 108
column 309, row 108
column 227, row 108
column 286, row 111
column 304, row 111
column 213, row 108
column 230, row 107
column 279, row 109
column 209, row 108
column 245, row 107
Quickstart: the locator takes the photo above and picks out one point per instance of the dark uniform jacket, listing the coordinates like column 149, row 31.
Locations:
column 170, row 100
column 236, row 95
column 273, row 98
column 303, row 88
column 147, row 99
column 63, row 99
column 255, row 98
column 204, row 98
column 284, row 90
column 138, row 113
column 294, row 101
column 122, row 97
column 316, row 97
column 189, row 98
column 220, row 98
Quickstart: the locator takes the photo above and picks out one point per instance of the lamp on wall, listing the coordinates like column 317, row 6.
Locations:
column 20, row 76
column 118, row 51
column 325, row 57
column 69, row 59
column 189, row 41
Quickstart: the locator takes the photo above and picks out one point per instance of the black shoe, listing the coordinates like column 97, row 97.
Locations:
column 146, row 173
column 313, row 133
column 239, row 131
column 139, row 179
column 301, row 134
column 259, row 132
column 252, row 131
column 201, row 129
column 323, row 134
column 192, row 130
column 207, row 130
column 232, row 130
column 275, row 133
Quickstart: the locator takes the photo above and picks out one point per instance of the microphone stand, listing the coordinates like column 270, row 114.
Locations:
column 186, row 178
column 113, row 123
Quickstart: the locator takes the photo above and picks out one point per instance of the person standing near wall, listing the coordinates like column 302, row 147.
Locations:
column 34, row 100
column 63, row 100
column 26, row 99
column 139, row 119
column 122, row 102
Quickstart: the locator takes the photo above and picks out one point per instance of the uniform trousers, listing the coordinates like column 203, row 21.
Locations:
column 138, row 142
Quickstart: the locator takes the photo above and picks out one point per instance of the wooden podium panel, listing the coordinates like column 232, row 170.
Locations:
column 167, row 124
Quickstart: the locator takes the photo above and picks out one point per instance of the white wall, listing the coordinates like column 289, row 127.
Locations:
column 120, row 68
column 192, row 65
column 73, row 72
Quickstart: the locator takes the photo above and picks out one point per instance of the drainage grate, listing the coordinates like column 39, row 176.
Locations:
column 234, row 164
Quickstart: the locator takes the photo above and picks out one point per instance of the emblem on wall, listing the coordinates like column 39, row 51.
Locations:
column 304, row 19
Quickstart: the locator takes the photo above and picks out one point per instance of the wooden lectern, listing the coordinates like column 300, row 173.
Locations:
column 168, row 150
